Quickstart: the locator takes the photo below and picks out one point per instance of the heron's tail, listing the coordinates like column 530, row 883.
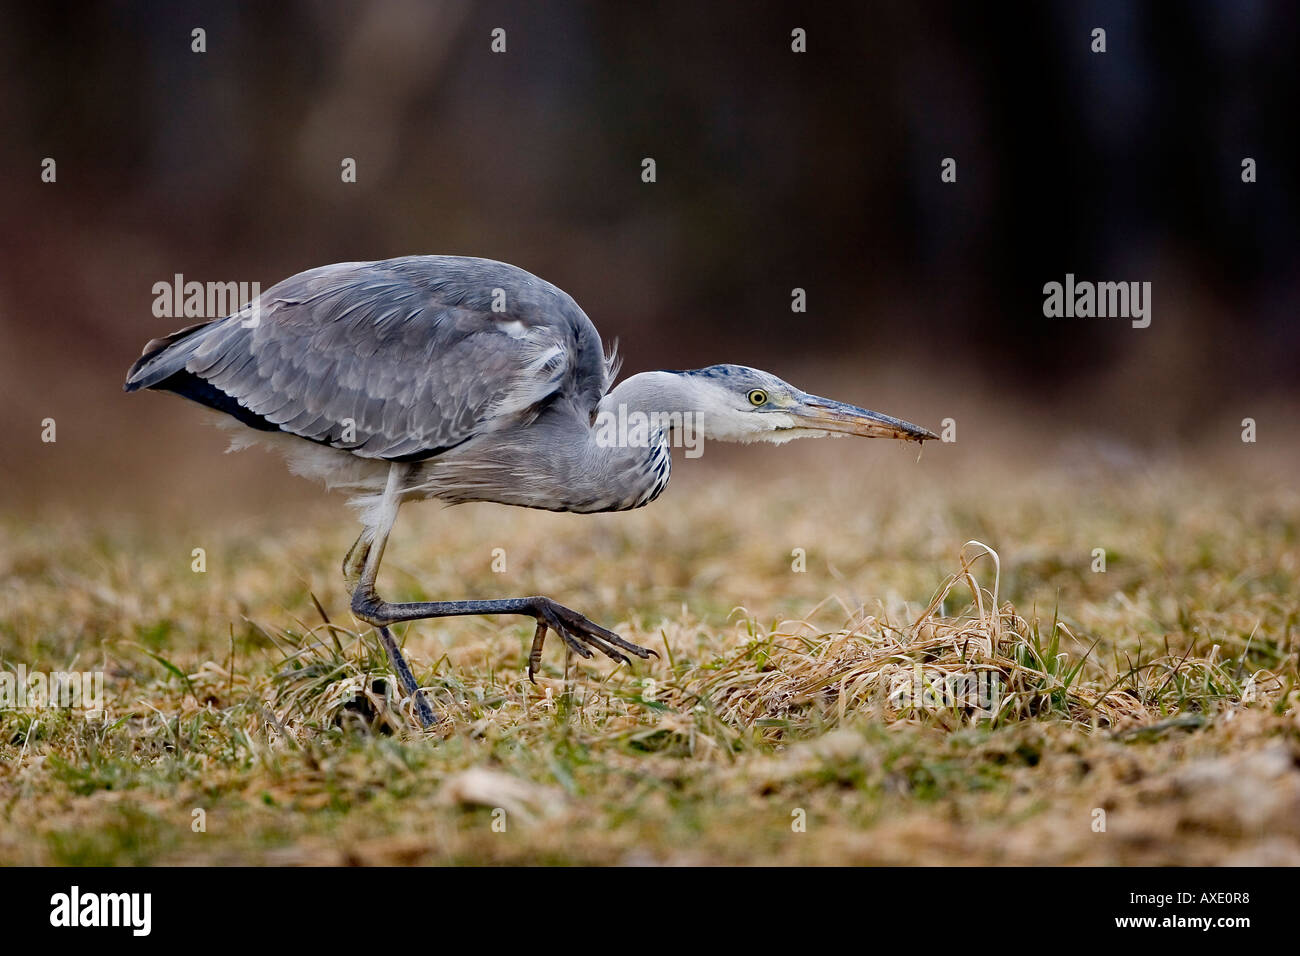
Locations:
column 162, row 358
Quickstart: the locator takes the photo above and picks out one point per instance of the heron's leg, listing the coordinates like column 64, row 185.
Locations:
column 355, row 560
column 409, row 684
column 361, row 567
column 576, row 631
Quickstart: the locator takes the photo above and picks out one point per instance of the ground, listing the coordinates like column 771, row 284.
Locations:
column 1136, row 610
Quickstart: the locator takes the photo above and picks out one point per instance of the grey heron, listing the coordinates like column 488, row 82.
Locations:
column 466, row 379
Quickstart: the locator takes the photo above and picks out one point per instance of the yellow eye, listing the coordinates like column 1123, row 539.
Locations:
column 757, row 397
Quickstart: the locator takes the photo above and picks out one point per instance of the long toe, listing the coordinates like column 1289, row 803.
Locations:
column 602, row 636
column 609, row 651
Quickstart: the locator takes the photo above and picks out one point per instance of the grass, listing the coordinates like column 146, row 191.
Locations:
column 823, row 634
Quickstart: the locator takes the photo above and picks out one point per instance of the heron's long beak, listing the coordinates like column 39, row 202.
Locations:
column 828, row 415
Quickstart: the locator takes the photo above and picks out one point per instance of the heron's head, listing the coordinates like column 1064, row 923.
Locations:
column 742, row 404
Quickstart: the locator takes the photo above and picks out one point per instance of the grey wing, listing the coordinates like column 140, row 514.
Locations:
column 396, row 359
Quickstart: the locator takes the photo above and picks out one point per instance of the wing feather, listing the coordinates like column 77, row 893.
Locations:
column 411, row 350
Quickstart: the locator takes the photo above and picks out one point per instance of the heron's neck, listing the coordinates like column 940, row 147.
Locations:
column 651, row 393
column 686, row 405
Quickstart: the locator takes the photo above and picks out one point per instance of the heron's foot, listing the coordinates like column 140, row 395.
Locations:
column 579, row 635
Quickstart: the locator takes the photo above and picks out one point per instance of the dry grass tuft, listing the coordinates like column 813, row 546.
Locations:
column 987, row 664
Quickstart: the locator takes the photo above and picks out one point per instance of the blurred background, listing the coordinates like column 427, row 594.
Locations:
column 775, row 170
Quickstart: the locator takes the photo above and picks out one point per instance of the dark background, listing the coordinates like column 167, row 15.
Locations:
column 775, row 170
